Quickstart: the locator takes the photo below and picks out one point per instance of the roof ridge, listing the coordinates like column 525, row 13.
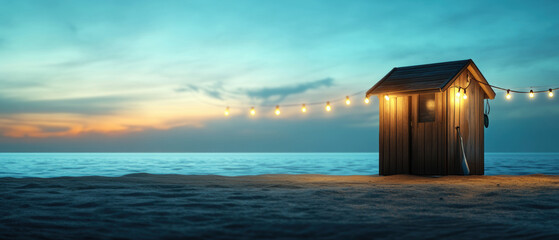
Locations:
column 438, row 63
column 432, row 76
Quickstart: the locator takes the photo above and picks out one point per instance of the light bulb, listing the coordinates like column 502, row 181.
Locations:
column 386, row 97
column 328, row 108
column 366, row 100
column 304, row 108
column 531, row 94
column 277, row 110
column 550, row 93
column 465, row 96
column 458, row 93
column 252, row 111
column 347, row 101
column 226, row 111
column 508, row 95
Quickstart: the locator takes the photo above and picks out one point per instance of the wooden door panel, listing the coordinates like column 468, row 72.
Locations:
column 425, row 140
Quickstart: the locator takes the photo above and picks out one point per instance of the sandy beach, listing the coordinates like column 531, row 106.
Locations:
column 145, row 206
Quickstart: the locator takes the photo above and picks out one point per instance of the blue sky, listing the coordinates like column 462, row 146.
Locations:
column 156, row 75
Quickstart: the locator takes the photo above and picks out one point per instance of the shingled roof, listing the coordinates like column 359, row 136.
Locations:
column 428, row 77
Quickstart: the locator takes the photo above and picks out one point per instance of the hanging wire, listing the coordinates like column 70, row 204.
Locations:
column 487, row 107
column 514, row 91
column 294, row 104
column 341, row 99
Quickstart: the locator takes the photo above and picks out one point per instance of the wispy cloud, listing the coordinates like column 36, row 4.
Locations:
column 188, row 88
column 213, row 91
column 280, row 93
column 86, row 106
column 54, row 129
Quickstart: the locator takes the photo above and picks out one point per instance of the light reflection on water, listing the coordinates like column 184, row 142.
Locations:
column 236, row 164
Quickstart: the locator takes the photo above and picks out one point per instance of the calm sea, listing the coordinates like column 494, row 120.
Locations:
column 235, row 164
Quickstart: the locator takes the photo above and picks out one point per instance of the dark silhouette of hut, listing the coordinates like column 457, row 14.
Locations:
column 422, row 118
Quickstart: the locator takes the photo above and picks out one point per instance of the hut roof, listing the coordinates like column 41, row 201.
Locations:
column 427, row 77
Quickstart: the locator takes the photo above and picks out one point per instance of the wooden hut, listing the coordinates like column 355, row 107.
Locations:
column 422, row 117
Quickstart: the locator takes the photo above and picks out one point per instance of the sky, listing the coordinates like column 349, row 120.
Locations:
column 156, row 76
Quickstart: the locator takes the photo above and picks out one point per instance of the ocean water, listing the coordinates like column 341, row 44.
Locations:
column 236, row 164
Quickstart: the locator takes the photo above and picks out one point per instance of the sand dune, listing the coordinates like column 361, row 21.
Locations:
column 144, row 206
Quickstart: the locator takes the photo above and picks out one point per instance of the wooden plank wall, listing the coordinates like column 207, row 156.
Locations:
column 394, row 135
column 468, row 114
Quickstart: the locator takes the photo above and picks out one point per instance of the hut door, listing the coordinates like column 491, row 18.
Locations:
column 424, row 119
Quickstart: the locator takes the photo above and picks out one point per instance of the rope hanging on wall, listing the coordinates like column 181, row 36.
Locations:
column 486, row 112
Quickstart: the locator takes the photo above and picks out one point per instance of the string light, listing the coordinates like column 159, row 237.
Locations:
column 531, row 93
column 252, row 111
column 367, row 100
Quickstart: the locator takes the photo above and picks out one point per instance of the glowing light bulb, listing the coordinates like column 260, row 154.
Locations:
column 304, row 108
column 347, row 101
column 367, row 100
column 252, row 111
column 550, row 94
column 226, row 111
column 277, row 110
column 458, row 93
column 386, row 97
column 328, row 108
column 531, row 94
column 465, row 96
column 508, row 95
